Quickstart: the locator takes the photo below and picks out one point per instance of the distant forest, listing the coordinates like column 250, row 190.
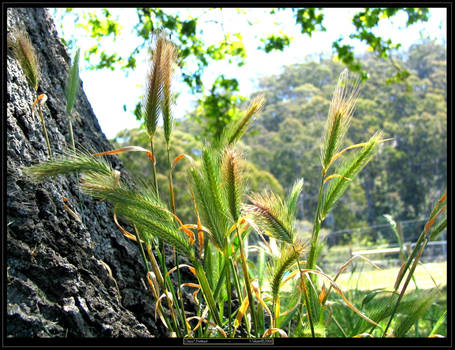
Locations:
column 404, row 180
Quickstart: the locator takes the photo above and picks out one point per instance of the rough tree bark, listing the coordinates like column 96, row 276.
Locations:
column 57, row 282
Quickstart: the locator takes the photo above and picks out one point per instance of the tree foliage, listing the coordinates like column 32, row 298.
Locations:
column 186, row 34
column 196, row 55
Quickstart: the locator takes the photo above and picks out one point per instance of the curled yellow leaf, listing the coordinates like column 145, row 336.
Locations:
column 125, row 232
column 151, row 279
column 194, row 285
column 157, row 309
column 128, row 149
column 178, row 158
column 335, row 175
column 192, row 269
column 241, row 312
column 271, row 331
column 41, row 99
column 218, row 328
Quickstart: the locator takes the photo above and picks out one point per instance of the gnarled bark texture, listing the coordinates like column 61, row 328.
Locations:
column 58, row 284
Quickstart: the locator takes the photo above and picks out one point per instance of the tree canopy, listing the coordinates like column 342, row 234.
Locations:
column 403, row 93
column 196, row 55
column 186, row 33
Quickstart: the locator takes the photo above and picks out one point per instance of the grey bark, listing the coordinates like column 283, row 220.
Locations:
column 57, row 284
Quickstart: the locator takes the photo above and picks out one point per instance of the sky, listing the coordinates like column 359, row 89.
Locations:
column 113, row 94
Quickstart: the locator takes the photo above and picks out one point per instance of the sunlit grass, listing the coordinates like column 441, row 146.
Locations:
column 385, row 278
column 426, row 276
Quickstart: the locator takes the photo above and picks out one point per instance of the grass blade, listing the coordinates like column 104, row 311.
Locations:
column 438, row 324
column 72, row 84
column 413, row 313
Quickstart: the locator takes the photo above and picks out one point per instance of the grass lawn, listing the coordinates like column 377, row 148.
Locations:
column 372, row 279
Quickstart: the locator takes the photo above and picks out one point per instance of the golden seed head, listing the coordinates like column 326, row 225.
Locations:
column 24, row 52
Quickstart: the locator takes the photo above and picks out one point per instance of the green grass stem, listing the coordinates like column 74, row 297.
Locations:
column 46, row 137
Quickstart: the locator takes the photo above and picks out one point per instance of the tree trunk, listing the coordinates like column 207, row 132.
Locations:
column 58, row 282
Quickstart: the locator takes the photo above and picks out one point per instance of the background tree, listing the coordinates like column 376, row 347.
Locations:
column 405, row 95
column 406, row 175
column 196, row 55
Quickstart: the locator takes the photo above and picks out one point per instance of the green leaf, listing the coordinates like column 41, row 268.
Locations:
column 189, row 27
column 309, row 20
column 273, row 42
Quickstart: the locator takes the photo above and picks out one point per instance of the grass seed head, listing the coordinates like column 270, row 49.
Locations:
column 271, row 213
column 340, row 115
column 151, row 105
column 236, row 130
column 24, row 52
column 168, row 63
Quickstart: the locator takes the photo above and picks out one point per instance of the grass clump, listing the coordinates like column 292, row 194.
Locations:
column 226, row 217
